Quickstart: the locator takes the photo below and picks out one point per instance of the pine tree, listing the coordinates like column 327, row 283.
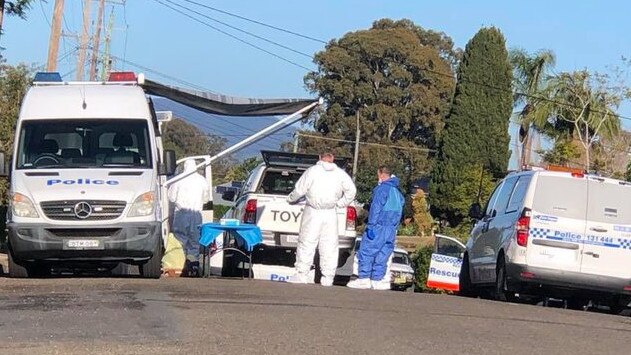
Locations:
column 475, row 140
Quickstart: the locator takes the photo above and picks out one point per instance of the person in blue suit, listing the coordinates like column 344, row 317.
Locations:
column 379, row 237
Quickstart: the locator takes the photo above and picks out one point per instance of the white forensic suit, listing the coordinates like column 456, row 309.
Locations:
column 325, row 187
column 189, row 196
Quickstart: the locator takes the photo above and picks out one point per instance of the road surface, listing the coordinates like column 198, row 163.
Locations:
column 213, row 316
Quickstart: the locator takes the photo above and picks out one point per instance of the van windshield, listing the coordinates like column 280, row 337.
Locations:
column 83, row 143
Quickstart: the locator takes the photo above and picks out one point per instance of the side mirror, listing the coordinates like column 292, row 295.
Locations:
column 3, row 167
column 228, row 195
column 475, row 211
column 169, row 163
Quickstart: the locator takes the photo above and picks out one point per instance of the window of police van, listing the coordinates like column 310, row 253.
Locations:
column 609, row 203
column 561, row 197
column 83, row 144
column 518, row 195
column 490, row 205
column 504, row 195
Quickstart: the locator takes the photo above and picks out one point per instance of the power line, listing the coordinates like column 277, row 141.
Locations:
column 368, row 143
column 233, row 36
column 166, row 76
column 242, row 30
column 257, row 22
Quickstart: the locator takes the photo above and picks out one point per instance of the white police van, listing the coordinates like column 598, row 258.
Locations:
column 87, row 177
column 561, row 234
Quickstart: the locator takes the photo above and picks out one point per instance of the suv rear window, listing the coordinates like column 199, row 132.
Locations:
column 276, row 182
column 561, row 197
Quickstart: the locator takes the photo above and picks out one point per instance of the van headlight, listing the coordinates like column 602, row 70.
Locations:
column 22, row 206
column 143, row 205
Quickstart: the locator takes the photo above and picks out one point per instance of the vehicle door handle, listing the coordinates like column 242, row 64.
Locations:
column 485, row 228
column 592, row 254
column 598, row 229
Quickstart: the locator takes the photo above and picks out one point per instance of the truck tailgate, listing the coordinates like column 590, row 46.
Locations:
column 276, row 215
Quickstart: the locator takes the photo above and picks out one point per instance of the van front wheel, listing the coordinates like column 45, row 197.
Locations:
column 152, row 269
column 16, row 270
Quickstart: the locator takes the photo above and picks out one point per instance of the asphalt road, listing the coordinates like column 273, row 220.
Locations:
column 213, row 316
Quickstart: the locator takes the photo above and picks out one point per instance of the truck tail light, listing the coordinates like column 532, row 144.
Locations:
column 351, row 218
column 523, row 227
column 250, row 212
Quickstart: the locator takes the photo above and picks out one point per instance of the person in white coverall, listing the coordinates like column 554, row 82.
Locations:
column 189, row 196
column 325, row 188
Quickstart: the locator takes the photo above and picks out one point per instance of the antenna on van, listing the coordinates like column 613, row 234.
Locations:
column 84, row 105
column 480, row 183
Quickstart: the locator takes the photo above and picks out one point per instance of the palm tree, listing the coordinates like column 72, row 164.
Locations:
column 530, row 76
column 582, row 107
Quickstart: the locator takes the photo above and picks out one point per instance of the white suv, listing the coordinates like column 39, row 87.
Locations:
column 556, row 234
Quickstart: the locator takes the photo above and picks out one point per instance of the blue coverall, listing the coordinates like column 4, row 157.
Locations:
column 378, row 240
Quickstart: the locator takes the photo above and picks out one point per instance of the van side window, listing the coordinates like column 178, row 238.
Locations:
column 519, row 193
column 491, row 202
column 504, row 196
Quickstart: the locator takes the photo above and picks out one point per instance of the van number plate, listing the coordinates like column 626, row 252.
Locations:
column 83, row 244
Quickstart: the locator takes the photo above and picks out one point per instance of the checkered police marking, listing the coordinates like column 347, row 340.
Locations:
column 540, row 232
column 624, row 243
column 570, row 237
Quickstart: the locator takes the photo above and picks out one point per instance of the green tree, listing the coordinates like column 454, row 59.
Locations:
column 474, row 147
column 394, row 79
column 14, row 8
column 530, row 75
column 187, row 140
column 240, row 172
column 582, row 108
column 14, row 81
column 627, row 173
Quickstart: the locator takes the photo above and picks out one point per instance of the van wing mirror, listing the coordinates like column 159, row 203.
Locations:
column 4, row 171
column 228, row 195
column 475, row 211
column 169, row 163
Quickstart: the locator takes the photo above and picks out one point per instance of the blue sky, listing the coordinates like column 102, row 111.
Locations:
column 583, row 34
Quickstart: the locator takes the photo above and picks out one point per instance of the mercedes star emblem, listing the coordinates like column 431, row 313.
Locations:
column 82, row 210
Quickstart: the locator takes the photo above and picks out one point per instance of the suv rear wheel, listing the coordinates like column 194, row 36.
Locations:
column 501, row 288
column 466, row 288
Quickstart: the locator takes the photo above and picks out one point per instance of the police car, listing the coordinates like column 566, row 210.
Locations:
column 557, row 233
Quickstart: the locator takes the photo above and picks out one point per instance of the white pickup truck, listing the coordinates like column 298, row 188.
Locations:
column 262, row 201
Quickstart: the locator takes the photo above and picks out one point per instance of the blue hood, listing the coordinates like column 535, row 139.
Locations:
column 392, row 181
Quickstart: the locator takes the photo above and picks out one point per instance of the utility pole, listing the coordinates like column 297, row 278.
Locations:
column 356, row 157
column 83, row 42
column 55, row 33
column 296, row 137
column 107, row 60
column 97, row 41
column 1, row 15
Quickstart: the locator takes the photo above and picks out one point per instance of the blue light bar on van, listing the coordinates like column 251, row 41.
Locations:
column 47, row 77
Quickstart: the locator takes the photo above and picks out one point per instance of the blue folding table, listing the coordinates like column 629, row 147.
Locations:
column 248, row 234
